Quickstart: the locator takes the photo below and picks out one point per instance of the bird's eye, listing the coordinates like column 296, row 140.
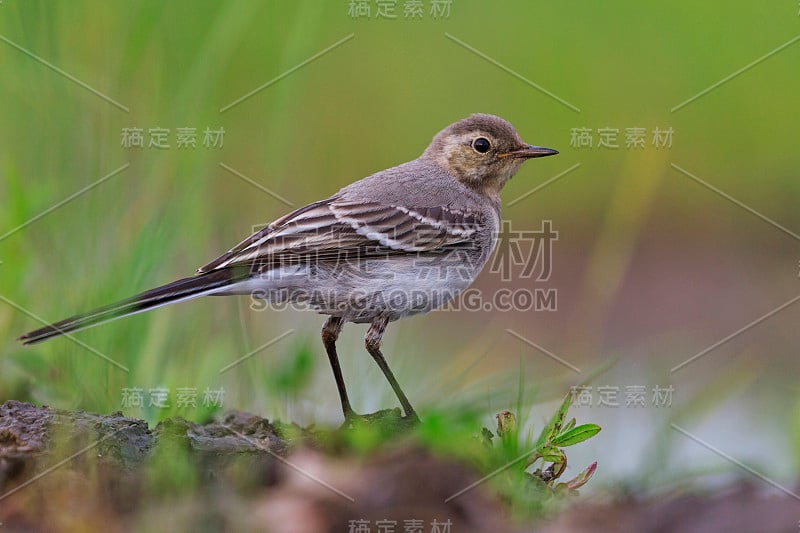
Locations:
column 481, row 145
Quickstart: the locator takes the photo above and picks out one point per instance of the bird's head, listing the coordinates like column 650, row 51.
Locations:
column 482, row 152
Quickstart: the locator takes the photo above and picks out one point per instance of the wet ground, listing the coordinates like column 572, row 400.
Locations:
column 77, row 471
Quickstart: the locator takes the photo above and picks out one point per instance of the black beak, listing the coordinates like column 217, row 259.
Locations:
column 530, row 152
column 535, row 151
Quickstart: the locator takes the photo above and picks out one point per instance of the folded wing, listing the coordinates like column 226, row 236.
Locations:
column 335, row 228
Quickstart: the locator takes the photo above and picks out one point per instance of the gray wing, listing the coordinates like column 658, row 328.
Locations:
column 333, row 228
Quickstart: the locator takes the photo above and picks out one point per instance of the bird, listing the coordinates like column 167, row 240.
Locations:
column 400, row 242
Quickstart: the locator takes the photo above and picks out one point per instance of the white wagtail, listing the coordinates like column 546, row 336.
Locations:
column 403, row 241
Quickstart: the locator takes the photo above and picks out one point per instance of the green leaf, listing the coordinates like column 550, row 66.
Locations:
column 553, row 428
column 569, row 425
column 551, row 454
column 576, row 435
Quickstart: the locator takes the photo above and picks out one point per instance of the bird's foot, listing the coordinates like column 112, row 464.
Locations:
column 390, row 418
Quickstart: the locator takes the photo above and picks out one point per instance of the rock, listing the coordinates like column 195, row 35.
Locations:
column 34, row 438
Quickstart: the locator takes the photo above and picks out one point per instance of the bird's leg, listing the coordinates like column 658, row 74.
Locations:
column 330, row 332
column 373, row 344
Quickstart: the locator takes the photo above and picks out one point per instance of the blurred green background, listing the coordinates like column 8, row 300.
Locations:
column 651, row 266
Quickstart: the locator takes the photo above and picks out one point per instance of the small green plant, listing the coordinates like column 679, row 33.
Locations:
column 549, row 447
column 556, row 436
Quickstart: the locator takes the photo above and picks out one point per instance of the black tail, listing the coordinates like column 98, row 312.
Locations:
column 183, row 289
